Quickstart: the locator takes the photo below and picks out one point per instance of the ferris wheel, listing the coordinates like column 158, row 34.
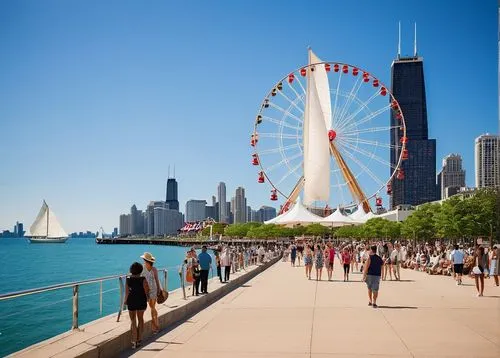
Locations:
column 355, row 106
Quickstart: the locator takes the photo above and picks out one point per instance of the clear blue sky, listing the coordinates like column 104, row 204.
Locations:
column 97, row 98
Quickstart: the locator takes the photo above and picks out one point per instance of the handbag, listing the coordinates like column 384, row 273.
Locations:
column 476, row 270
column 162, row 296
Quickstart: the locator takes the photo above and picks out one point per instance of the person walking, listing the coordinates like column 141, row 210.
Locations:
column 371, row 275
column 205, row 261
column 308, row 260
column 217, row 263
column 494, row 262
column 396, row 259
column 457, row 259
column 346, row 262
column 318, row 262
column 331, row 258
column 481, row 264
column 226, row 262
column 150, row 273
column 293, row 254
column 136, row 292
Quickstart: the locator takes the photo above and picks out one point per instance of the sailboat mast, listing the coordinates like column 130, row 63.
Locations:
column 47, row 221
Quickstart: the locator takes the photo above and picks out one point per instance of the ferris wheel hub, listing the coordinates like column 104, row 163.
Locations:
column 332, row 135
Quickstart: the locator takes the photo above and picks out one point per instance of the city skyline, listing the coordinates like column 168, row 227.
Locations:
column 77, row 71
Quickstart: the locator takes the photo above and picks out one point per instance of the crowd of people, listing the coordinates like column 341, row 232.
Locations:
column 387, row 257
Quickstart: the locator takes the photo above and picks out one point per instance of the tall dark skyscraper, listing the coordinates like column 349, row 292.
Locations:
column 172, row 198
column 408, row 86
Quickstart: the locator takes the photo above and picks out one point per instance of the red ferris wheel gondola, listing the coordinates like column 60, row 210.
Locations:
column 274, row 195
column 401, row 174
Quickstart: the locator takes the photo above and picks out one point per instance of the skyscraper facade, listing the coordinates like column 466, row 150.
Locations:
column 172, row 199
column 221, row 196
column 195, row 210
column 240, row 206
column 136, row 221
column 125, row 224
column 487, row 161
column 408, row 87
column 149, row 226
column 452, row 176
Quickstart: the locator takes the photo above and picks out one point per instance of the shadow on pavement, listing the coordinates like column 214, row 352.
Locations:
column 399, row 307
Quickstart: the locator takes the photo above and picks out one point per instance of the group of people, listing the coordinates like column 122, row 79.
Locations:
column 142, row 288
column 381, row 260
column 197, row 270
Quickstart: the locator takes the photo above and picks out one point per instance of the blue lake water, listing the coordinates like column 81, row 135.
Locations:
column 30, row 319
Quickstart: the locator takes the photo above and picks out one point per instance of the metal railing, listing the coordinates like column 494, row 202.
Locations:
column 76, row 289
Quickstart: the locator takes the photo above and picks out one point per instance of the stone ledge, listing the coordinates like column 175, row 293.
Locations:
column 107, row 338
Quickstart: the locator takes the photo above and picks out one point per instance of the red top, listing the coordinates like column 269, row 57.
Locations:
column 346, row 258
column 331, row 254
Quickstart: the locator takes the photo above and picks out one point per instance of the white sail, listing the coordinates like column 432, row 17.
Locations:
column 55, row 229
column 100, row 233
column 323, row 89
column 316, row 145
column 39, row 226
column 46, row 224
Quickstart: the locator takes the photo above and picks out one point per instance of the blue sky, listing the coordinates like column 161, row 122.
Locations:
column 97, row 98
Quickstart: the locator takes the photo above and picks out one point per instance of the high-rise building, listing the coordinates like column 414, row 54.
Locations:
column 265, row 213
column 172, row 195
column 221, row 196
column 195, row 210
column 210, row 212
column 408, row 87
column 149, row 227
column 115, row 232
column 214, row 200
column 125, row 224
column 167, row 221
column 249, row 214
column 452, row 176
column 240, row 206
column 19, row 229
column 136, row 221
column 487, row 161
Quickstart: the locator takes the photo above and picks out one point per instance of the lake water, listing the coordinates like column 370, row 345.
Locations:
column 30, row 319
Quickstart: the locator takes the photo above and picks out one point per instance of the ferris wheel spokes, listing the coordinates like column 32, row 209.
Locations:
column 369, row 130
column 366, row 153
column 364, row 167
column 336, row 99
column 363, row 106
column 279, row 122
column 350, row 97
column 367, row 118
column 351, row 181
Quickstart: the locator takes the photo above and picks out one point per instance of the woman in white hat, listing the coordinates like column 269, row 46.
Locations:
column 151, row 275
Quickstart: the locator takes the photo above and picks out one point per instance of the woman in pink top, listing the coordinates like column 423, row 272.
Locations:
column 346, row 261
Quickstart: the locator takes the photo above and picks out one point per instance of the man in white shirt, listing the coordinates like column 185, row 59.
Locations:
column 396, row 259
column 457, row 258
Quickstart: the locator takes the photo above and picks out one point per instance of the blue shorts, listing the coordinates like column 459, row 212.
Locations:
column 372, row 282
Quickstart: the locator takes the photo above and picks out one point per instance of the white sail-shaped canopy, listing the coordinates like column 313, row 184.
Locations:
column 46, row 224
column 317, row 116
column 338, row 219
column 273, row 220
column 359, row 215
column 100, row 233
column 297, row 215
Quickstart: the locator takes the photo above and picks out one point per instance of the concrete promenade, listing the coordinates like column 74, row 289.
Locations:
column 280, row 313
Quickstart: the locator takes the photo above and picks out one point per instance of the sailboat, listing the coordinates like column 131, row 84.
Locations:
column 100, row 235
column 46, row 228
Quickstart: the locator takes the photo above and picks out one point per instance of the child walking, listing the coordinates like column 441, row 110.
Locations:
column 136, row 291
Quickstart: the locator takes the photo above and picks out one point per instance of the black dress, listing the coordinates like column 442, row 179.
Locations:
column 137, row 300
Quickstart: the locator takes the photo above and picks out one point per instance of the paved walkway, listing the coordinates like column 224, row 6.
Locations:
column 282, row 314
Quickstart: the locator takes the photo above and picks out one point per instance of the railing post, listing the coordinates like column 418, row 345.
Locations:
column 165, row 280
column 75, row 307
column 122, row 291
column 100, row 296
column 183, row 285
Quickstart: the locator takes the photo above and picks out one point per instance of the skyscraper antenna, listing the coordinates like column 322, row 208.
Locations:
column 168, row 175
column 399, row 40
column 415, row 42
column 174, row 171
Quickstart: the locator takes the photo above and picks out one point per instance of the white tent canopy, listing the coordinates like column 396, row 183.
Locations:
column 338, row 219
column 297, row 215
